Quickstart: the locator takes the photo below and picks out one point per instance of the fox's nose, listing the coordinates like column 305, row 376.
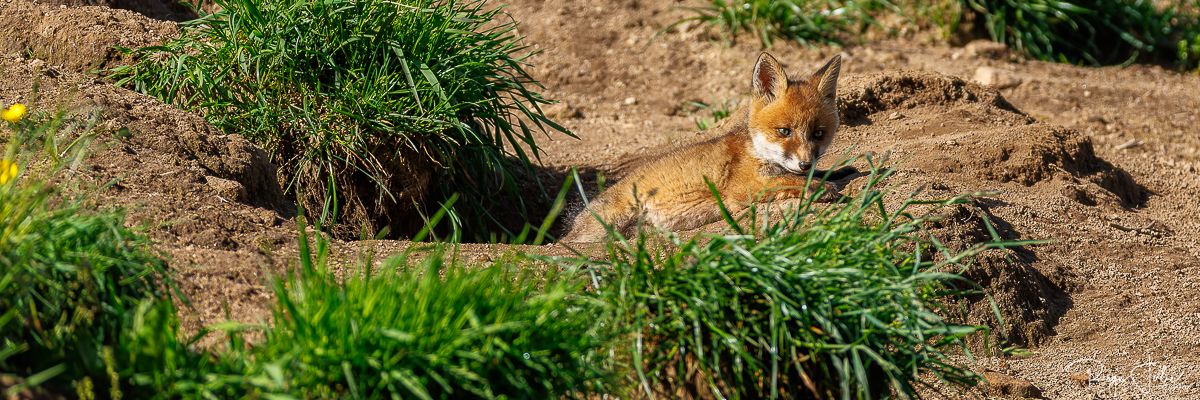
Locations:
column 805, row 165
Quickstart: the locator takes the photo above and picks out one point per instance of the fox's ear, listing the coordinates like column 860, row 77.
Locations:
column 826, row 77
column 769, row 79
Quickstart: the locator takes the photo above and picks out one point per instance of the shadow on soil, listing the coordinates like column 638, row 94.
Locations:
column 158, row 9
column 1031, row 303
column 516, row 218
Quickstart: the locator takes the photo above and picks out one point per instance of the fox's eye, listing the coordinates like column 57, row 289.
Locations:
column 785, row 132
column 818, row 134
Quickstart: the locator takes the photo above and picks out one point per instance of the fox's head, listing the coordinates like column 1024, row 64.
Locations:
column 792, row 122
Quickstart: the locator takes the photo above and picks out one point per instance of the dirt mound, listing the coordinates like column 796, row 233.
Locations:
column 947, row 125
column 79, row 39
column 1036, row 156
column 860, row 96
column 1032, row 154
column 167, row 166
column 951, row 137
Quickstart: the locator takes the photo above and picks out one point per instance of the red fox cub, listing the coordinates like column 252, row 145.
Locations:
column 765, row 154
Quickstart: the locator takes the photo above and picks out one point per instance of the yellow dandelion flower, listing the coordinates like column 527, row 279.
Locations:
column 8, row 171
column 14, row 113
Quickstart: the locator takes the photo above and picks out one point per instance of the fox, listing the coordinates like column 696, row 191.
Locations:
column 764, row 152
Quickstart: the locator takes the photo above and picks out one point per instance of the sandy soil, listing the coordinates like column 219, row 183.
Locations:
column 1102, row 162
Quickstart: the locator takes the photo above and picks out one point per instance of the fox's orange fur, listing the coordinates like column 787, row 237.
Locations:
column 765, row 153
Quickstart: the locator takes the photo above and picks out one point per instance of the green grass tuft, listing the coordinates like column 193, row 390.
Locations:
column 840, row 301
column 821, row 22
column 717, row 113
column 430, row 329
column 368, row 106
